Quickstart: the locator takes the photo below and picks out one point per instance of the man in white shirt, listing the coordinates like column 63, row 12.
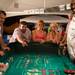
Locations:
column 71, row 34
column 22, row 34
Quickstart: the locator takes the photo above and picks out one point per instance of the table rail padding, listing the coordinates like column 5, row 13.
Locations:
column 35, row 47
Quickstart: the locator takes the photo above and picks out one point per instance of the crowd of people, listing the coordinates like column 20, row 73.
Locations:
column 23, row 35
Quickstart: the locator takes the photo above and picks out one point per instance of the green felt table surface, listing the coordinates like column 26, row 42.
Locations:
column 26, row 64
column 37, row 63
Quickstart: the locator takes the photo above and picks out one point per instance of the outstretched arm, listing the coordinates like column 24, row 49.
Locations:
column 21, row 40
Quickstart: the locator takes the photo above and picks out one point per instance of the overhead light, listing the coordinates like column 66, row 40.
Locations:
column 61, row 7
column 68, row 6
column 41, row 11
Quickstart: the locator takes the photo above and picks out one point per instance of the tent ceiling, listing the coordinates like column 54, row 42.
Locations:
column 33, row 18
column 21, row 5
column 46, row 18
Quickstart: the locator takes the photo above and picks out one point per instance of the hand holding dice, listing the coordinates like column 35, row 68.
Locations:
column 24, row 43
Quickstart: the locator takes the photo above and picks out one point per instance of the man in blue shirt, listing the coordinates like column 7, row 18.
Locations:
column 3, row 46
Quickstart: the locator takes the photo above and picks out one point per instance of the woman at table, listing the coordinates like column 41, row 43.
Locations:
column 63, row 41
column 38, row 34
column 53, row 36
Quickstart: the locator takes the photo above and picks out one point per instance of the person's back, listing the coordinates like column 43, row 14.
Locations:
column 3, row 46
column 71, row 33
column 71, row 38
